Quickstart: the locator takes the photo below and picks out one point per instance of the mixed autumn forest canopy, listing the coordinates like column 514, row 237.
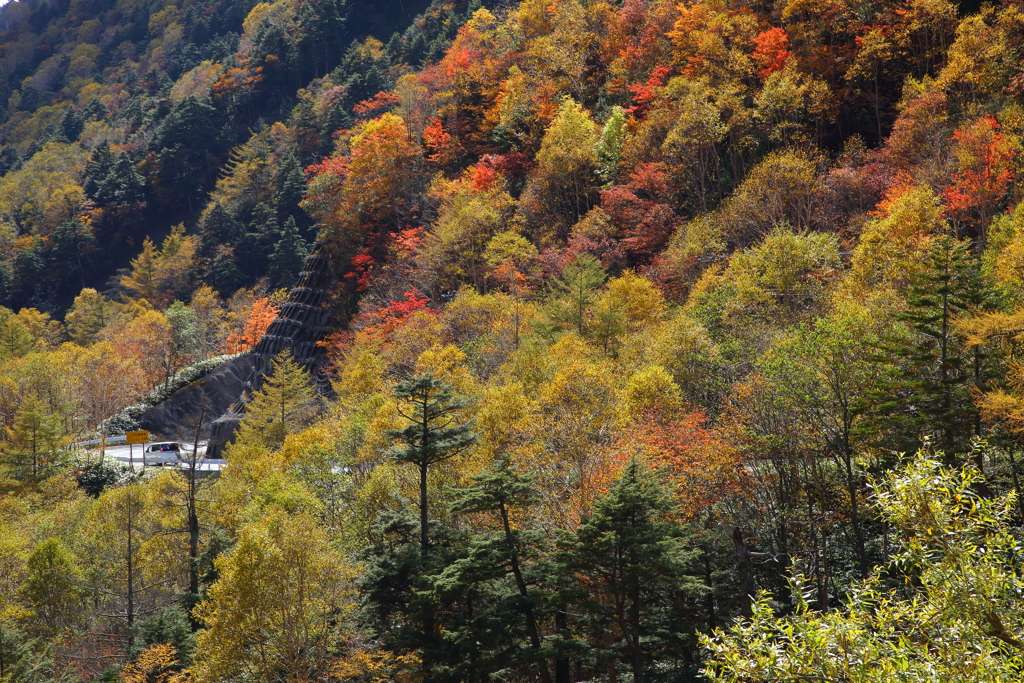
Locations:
column 669, row 341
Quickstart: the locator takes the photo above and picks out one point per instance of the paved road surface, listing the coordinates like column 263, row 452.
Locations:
column 122, row 455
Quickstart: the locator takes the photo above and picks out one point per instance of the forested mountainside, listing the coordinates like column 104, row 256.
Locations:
column 669, row 341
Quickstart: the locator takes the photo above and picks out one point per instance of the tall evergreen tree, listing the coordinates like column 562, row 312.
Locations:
column 288, row 256
column 638, row 593
column 70, row 126
column 111, row 180
column 10, row 160
column 500, row 616
column 259, row 239
column 97, row 168
column 124, row 184
column 219, row 228
column 71, row 240
column 929, row 392
column 322, row 27
column 571, row 295
column 433, row 435
column 187, row 150
column 223, row 274
column 290, row 185
column 400, row 597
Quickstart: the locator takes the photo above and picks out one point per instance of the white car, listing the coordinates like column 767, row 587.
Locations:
column 162, row 453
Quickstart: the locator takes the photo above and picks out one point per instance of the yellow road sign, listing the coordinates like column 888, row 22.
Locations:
column 137, row 437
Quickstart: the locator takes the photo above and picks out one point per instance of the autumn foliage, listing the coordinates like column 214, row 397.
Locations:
column 704, row 468
column 985, row 170
column 263, row 313
column 631, row 304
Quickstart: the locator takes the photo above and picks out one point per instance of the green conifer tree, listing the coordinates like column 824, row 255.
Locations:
column 219, row 227
column 111, row 180
column 70, row 126
column 503, row 616
column 71, row 240
column 290, row 185
column 928, row 394
column 124, row 185
column 224, row 275
column 639, row 567
column 571, row 296
column 282, row 406
column 257, row 243
column 97, row 168
column 288, row 256
column 433, row 435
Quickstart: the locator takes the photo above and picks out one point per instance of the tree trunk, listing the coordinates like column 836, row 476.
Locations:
column 531, row 621
column 424, row 528
column 193, row 514
column 130, row 567
column 745, row 572
column 562, row 674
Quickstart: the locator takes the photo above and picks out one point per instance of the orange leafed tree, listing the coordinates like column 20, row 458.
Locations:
column 259, row 319
column 771, row 52
column 369, row 185
column 985, row 158
column 147, row 340
column 703, row 467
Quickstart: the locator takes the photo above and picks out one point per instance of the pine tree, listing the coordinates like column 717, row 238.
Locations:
column 501, row 616
column 433, row 434
column 290, row 184
column 258, row 241
column 571, row 296
column 264, row 222
column 281, row 406
column 634, row 564
column 97, row 168
column 10, row 160
column 288, row 256
column 322, row 27
column 399, row 596
column 19, row 658
column 111, row 180
column 95, row 110
column 30, row 273
column 34, row 440
column 929, row 392
column 71, row 124
column 224, row 275
column 71, row 240
column 219, row 227
column 188, row 138
column 124, row 185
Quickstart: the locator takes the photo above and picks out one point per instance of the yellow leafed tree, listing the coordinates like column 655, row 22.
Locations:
column 269, row 616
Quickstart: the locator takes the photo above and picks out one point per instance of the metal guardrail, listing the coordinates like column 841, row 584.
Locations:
column 96, row 442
